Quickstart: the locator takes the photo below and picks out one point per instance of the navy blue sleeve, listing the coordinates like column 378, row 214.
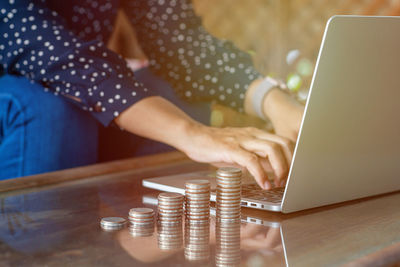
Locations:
column 198, row 65
column 36, row 43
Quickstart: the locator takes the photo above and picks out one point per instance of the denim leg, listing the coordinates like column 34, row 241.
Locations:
column 40, row 132
column 116, row 144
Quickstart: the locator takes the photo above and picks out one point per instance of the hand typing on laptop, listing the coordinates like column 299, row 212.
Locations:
column 252, row 148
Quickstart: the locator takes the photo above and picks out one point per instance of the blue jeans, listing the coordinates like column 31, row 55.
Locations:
column 40, row 132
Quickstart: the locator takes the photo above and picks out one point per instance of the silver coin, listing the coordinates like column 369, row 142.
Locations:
column 196, row 254
column 220, row 205
column 173, row 222
column 165, row 210
column 191, row 204
column 222, row 202
column 149, row 218
column 199, row 213
column 197, row 216
column 141, row 212
column 171, row 203
column 228, row 219
column 227, row 211
column 141, row 225
column 197, row 183
column 142, row 221
column 198, row 197
column 228, row 179
column 166, row 196
column 224, row 214
column 226, row 185
column 170, row 213
column 225, row 171
column 135, row 234
column 228, row 197
column 198, row 207
column 142, row 229
column 229, row 190
column 229, row 183
column 170, row 207
column 189, row 193
column 134, row 220
column 113, row 222
column 227, row 214
column 162, row 217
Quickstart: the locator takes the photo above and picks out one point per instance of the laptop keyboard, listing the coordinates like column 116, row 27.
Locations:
column 255, row 192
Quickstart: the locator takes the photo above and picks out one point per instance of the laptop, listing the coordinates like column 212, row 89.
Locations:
column 349, row 140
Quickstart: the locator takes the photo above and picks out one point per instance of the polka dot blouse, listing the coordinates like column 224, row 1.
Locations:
column 61, row 45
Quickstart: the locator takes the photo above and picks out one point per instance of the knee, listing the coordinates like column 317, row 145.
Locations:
column 21, row 98
column 46, row 124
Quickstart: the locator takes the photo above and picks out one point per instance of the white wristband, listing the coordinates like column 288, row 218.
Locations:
column 260, row 93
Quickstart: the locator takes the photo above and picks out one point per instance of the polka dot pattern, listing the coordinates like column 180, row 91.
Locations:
column 60, row 44
column 199, row 66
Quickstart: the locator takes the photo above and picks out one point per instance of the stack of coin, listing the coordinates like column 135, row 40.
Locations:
column 112, row 223
column 170, row 208
column 197, row 238
column 227, row 251
column 197, row 205
column 229, row 181
column 170, row 236
column 142, row 221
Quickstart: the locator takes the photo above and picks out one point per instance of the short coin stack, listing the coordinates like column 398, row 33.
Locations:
column 197, row 205
column 229, row 181
column 112, row 223
column 170, row 208
column 227, row 251
column 170, row 236
column 141, row 221
column 197, row 236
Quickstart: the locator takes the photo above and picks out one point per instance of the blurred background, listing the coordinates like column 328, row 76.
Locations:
column 283, row 36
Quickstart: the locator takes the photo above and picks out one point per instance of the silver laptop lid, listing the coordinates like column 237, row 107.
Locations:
column 349, row 143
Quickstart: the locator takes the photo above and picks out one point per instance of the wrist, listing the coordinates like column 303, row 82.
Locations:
column 256, row 95
column 272, row 101
column 248, row 103
column 185, row 132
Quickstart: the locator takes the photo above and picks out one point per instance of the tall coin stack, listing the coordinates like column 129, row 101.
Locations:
column 170, row 208
column 197, row 238
column 197, row 205
column 141, row 221
column 229, row 185
column 170, row 236
column 227, row 251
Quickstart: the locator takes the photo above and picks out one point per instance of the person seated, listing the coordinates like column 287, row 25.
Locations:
column 59, row 78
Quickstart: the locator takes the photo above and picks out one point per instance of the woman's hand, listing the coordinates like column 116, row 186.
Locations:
column 251, row 148
column 254, row 149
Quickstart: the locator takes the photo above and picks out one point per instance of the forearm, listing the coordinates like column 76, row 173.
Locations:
column 157, row 119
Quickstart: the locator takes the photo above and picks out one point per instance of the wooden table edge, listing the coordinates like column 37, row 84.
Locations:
column 89, row 171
